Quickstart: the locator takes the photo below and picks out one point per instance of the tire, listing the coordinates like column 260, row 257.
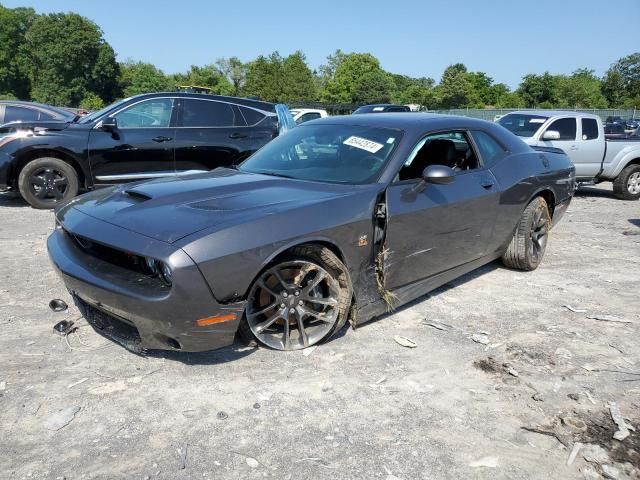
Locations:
column 529, row 241
column 48, row 182
column 287, row 294
column 626, row 186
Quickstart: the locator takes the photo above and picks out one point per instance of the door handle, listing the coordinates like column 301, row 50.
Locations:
column 487, row 184
column 574, row 147
column 162, row 138
column 238, row 135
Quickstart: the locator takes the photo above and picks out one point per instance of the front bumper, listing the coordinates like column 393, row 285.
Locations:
column 130, row 307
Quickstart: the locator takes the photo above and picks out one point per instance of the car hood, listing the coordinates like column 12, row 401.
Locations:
column 34, row 125
column 172, row 208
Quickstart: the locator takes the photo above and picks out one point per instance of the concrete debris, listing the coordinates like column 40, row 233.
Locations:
column 513, row 373
column 574, row 452
column 405, row 342
column 82, row 380
column 61, row 418
column 590, row 473
column 3, row 386
column 538, row 397
column 308, row 351
column 574, row 310
column 488, row 462
column 480, row 338
column 380, row 380
column 623, row 427
column 611, row 472
column 437, row 325
column 608, row 318
column 252, row 462
column 595, row 454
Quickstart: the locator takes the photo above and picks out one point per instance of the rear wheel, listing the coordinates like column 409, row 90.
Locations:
column 47, row 182
column 299, row 301
column 626, row 186
column 529, row 241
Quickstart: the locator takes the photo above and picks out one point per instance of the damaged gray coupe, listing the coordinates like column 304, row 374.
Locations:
column 342, row 218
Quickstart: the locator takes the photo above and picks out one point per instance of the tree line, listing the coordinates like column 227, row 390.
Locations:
column 63, row 59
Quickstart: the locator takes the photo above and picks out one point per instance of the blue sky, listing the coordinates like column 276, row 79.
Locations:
column 506, row 39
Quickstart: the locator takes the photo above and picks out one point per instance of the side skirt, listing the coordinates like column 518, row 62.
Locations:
column 419, row 288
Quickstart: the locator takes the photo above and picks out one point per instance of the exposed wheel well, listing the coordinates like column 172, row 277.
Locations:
column 33, row 155
column 635, row 161
column 550, row 198
column 317, row 244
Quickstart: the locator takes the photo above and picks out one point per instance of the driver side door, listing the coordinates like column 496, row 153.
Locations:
column 439, row 227
column 142, row 145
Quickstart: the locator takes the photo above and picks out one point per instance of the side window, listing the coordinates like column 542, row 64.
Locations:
column 589, row 129
column 567, row 127
column 207, row 113
column 155, row 113
column 251, row 116
column 308, row 116
column 489, row 149
column 451, row 149
column 14, row 114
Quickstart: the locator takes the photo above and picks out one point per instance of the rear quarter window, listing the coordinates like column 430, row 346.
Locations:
column 589, row 129
column 490, row 150
column 251, row 116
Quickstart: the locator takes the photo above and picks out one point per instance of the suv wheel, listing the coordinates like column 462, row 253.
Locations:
column 48, row 182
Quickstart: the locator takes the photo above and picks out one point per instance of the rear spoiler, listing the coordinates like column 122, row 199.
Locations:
column 285, row 119
column 548, row 149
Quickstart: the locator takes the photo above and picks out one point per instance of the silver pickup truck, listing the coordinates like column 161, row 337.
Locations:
column 581, row 136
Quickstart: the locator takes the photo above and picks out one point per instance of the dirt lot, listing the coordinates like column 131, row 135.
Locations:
column 502, row 384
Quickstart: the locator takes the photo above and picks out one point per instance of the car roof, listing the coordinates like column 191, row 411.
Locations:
column 40, row 106
column 553, row 113
column 249, row 102
column 402, row 121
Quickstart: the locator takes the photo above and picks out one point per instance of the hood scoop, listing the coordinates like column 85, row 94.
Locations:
column 137, row 195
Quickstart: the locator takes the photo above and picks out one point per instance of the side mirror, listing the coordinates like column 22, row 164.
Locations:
column 109, row 124
column 438, row 174
column 551, row 135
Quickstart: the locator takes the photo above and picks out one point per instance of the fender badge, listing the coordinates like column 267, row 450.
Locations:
column 362, row 241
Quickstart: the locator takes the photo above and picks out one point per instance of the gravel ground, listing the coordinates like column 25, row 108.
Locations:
column 513, row 403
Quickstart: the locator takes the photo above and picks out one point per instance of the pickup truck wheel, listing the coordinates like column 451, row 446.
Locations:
column 300, row 301
column 47, row 182
column 529, row 241
column 626, row 186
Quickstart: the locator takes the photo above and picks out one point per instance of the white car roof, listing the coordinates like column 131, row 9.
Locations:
column 555, row 113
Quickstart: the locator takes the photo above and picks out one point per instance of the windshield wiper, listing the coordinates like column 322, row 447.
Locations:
column 273, row 174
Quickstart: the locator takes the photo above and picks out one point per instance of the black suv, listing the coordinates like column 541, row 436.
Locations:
column 141, row 137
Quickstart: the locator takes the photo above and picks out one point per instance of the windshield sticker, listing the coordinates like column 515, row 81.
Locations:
column 391, row 140
column 363, row 143
column 537, row 120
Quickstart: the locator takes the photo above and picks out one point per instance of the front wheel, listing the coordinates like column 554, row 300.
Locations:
column 47, row 182
column 298, row 302
column 529, row 241
column 626, row 186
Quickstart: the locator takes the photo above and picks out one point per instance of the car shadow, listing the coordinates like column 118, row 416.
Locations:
column 12, row 199
column 212, row 357
column 479, row 272
column 594, row 192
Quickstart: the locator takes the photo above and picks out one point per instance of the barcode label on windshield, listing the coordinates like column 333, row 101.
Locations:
column 363, row 143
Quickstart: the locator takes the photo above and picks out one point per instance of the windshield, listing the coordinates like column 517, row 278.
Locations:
column 326, row 153
column 95, row 115
column 522, row 124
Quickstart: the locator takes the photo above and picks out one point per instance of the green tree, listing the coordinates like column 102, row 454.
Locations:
column 455, row 89
column 297, row 79
column 208, row 76
column 140, row 77
column 621, row 83
column 235, row 71
column 67, row 57
column 353, row 73
column 539, row 90
column 14, row 78
column 264, row 78
column 582, row 89
column 91, row 102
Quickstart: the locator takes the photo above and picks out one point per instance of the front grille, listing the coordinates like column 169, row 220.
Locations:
column 111, row 327
column 112, row 255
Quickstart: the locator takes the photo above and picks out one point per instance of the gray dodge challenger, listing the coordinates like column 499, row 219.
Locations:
column 340, row 218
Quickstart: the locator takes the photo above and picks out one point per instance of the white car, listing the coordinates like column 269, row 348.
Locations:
column 301, row 115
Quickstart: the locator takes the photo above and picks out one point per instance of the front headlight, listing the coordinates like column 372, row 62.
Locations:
column 161, row 269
